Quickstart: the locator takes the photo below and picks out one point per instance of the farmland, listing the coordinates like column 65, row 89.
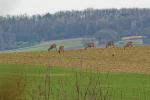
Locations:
column 131, row 60
column 74, row 43
column 104, row 74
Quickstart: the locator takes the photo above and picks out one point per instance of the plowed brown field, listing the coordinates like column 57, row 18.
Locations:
column 131, row 60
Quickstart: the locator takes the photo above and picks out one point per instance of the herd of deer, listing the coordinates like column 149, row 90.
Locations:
column 54, row 46
column 110, row 44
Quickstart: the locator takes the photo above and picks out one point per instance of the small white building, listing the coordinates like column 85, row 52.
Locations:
column 137, row 40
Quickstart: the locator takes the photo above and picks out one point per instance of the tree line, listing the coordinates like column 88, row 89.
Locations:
column 104, row 24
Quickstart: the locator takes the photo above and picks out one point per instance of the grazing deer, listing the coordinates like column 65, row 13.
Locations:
column 53, row 46
column 61, row 49
column 110, row 44
column 90, row 45
column 129, row 44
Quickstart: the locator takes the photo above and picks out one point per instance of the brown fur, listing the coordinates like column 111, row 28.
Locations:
column 110, row 44
column 90, row 45
column 53, row 46
column 61, row 49
column 129, row 44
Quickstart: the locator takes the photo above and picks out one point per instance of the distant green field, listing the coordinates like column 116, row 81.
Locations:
column 71, row 83
column 68, row 43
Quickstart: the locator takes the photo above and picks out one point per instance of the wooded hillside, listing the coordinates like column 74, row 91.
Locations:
column 107, row 24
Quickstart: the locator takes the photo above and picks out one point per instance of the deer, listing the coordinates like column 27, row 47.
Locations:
column 110, row 44
column 52, row 46
column 61, row 49
column 90, row 45
column 129, row 44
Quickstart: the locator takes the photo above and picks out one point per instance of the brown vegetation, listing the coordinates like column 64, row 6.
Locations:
column 12, row 88
column 135, row 60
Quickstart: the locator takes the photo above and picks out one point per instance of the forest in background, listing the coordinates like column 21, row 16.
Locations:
column 104, row 24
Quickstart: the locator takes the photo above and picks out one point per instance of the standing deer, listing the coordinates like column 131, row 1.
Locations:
column 90, row 45
column 110, row 44
column 61, row 49
column 129, row 44
column 53, row 46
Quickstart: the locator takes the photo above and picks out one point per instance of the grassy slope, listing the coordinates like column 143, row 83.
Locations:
column 69, row 44
column 122, row 86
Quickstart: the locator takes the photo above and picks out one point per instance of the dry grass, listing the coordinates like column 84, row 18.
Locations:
column 132, row 60
column 12, row 88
